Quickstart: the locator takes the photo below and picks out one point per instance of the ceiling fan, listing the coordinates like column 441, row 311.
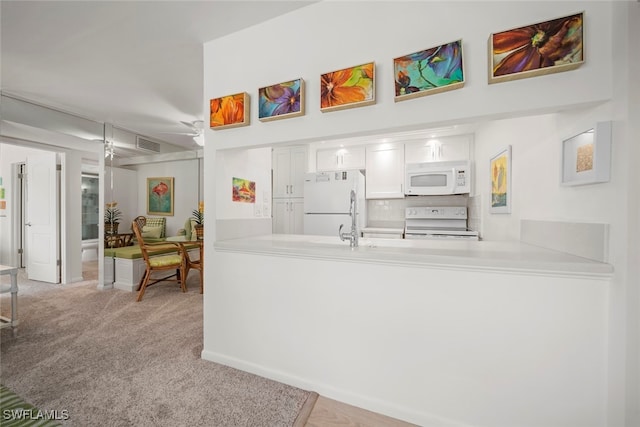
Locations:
column 195, row 130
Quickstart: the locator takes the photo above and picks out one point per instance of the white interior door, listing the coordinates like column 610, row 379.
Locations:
column 42, row 218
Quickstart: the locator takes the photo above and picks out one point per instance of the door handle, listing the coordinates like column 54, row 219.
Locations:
column 28, row 224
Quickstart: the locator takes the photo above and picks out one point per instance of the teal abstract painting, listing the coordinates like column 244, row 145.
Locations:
column 434, row 70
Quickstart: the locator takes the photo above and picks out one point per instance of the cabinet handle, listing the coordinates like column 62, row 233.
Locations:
column 291, row 188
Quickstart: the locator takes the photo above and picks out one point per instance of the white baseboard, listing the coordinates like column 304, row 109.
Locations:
column 344, row 396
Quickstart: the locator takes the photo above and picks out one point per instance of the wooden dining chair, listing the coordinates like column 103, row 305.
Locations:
column 197, row 264
column 160, row 257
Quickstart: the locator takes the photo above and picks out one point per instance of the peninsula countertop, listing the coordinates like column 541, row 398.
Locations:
column 513, row 256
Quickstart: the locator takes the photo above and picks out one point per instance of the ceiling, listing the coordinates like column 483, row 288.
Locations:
column 135, row 64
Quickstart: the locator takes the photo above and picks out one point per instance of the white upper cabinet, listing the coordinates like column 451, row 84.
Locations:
column 385, row 171
column 340, row 158
column 289, row 167
column 439, row 149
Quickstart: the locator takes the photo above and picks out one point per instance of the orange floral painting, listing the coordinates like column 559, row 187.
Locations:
column 229, row 111
column 347, row 88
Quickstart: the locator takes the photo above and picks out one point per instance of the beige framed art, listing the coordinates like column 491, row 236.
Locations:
column 538, row 49
column 430, row 71
column 500, row 170
column 586, row 157
column 281, row 101
column 160, row 196
column 229, row 111
column 348, row 88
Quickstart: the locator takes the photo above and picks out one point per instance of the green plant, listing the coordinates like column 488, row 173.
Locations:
column 198, row 216
column 112, row 214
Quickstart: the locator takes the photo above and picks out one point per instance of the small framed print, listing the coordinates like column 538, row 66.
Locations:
column 500, row 170
column 586, row 157
column 348, row 88
column 281, row 101
column 537, row 49
column 160, row 196
column 430, row 71
column 229, row 111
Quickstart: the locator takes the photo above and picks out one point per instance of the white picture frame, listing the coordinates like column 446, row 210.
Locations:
column 500, row 181
column 586, row 157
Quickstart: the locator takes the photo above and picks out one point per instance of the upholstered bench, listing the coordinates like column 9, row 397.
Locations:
column 125, row 266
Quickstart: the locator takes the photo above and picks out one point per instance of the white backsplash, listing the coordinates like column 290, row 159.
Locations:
column 389, row 213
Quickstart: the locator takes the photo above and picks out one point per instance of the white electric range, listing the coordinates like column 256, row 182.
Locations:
column 438, row 222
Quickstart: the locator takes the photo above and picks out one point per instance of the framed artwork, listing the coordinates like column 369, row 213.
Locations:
column 538, row 49
column 500, row 170
column 348, row 88
column 586, row 157
column 229, row 111
column 434, row 70
column 160, row 196
column 281, row 101
column 244, row 191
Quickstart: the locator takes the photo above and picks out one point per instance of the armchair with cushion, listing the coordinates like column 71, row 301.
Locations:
column 153, row 229
column 188, row 231
column 157, row 259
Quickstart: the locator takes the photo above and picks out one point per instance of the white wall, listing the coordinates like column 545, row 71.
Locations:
column 380, row 31
column 536, row 144
column 186, row 175
column 253, row 165
column 120, row 185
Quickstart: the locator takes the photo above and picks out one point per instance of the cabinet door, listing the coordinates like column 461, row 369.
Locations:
column 352, row 158
column 419, row 152
column 280, row 220
column 297, row 168
column 296, row 217
column 281, row 173
column 442, row 149
column 454, row 149
column 332, row 159
column 326, row 160
column 385, row 171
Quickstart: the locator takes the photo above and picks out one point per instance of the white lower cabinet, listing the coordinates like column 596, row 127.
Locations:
column 288, row 216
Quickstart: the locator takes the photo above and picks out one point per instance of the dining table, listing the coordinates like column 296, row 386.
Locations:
column 188, row 262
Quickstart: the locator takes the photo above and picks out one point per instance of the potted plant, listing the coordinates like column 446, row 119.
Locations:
column 198, row 217
column 112, row 216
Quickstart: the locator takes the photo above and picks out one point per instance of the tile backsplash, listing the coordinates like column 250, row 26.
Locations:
column 390, row 212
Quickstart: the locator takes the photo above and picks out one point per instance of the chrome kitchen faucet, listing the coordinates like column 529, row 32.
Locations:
column 353, row 235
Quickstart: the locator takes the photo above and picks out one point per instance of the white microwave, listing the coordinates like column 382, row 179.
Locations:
column 437, row 178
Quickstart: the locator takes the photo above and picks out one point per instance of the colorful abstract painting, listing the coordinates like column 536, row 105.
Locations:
column 543, row 48
column 281, row 101
column 160, row 196
column 434, row 70
column 244, row 191
column 229, row 111
column 500, row 169
column 348, row 88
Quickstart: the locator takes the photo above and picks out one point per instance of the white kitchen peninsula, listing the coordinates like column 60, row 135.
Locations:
column 435, row 333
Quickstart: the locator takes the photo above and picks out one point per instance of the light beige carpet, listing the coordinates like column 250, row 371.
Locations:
column 110, row 361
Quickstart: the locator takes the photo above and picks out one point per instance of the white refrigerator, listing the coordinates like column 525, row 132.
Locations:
column 327, row 199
